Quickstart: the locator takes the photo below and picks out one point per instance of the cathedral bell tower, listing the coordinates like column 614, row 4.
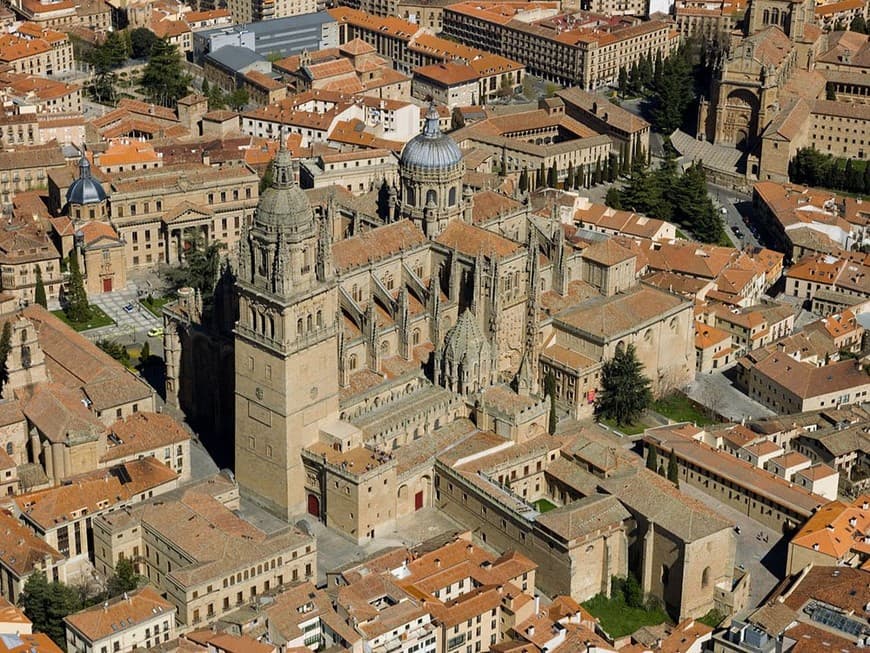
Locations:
column 286, row 349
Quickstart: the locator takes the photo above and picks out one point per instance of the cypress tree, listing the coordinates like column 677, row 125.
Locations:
column 5, row 348
column 39, row 292
column 553, row 176
column 569, row 177
column 524, row 180
column 652, row 458
column 77, row 307
column 542, row 176
column 550, row 388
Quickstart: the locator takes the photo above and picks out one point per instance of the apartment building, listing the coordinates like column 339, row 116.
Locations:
column 767, row 498
column 25, row 246
column 215, row 563
column 137, row 619
column 36, row 50
column 833, row 536
column 62, row 516
column 27, row 168
column 359, row 171
column 22, row 553
column 530, row 139
column 842, row 274
column 582, row 49
column 708, row 20
column 255, row 11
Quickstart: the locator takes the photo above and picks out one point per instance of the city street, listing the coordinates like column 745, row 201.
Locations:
column 737, row 206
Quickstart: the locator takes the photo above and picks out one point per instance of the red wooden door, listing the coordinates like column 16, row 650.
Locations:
column 313, row 506
column 418, row 500
column 107, row 285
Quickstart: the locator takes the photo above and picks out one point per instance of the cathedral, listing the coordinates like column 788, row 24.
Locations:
column 355, row 355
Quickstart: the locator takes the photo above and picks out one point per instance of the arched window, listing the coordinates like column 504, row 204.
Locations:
column 309, row 322
column 451, row 197
column 299, row 327
column 9, row 448
column 410, row 196
column 431, row 197
column 766, row 16
column 24, row 335
column 319, row 319
column 774, row 16
column 620, row 347
column 705, row 577
column 252, row 319
column 271, row 327
column 351, row 362
column 415, row 337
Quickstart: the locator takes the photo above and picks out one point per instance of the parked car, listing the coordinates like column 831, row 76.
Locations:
column 129, row 308
column 156, row 332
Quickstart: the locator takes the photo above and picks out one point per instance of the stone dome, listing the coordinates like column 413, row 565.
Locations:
column 431, row 149
column 85, row 189
column 283, row 206
column 465, row 341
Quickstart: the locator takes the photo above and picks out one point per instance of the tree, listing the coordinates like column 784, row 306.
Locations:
column 550, row 389
column 625, row 391
column 238, row 99
column 673, row 469
column 39, row 291
column 201, row 266
column 524, row 180
column 144, row 354
column 552, row 176
column 542, row 176
column 110, row 55
column 674, row 94
column 163, row 80
column 46, row 604
column 858, row 24
column 124, row 579
column 623, row 82
column 569, row 176
column 632, row 592
column 612, row 198
column 115, row 349
column 142, row 40
column 77, row 308
column 5, row 348
column 652, row 458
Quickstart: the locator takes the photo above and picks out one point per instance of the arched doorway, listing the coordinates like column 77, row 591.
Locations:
column 313, row 506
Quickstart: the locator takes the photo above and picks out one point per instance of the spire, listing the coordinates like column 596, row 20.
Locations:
column 84, row 165
column 432, row 128
column 282, row 166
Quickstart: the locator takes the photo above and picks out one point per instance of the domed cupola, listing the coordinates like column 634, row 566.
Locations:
column 283, row 206
column 285, row 250
column 431, row 149
column 431, row 169
column 466, row 357
column 85, row 196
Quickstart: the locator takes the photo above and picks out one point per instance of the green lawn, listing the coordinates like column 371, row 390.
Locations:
column 155, row 306
column 627, row 429
column 680, row 408
column 544, row 506
column 618, row 619
column 98, row 319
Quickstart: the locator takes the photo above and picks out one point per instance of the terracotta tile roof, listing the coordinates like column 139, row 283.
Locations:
column 740, row 472
column 376, row 244
column 35, row 643
column 59, row 413
column 10, row 614
column 357, row 47
column 605, row 317
column 836, row 529
column 471, row 240
column 119, row 614
column 21, row 551
column 805, row 380
column 659, row 501
column 842, row 587
column 607, row 252
column 142, row 432
column 448, row 73
column 589, row 515
column 94, row 492
column 263, row 81
column 72, row 360
column 229, row 643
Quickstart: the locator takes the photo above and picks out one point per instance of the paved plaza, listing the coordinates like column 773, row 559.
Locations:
column 129, row 327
